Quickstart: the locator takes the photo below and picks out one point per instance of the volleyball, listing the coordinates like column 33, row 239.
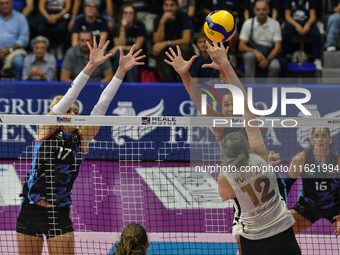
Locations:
column 220, row 25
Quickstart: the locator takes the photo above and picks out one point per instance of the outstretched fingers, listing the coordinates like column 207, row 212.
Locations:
column 226, row 50
column 173, row 53
column 208, row 45
column 139, row 58
column 101, row 42
column 94, row 43
column 121, row 51
column 137, row 53
column 179, row 52
column 132, row 49
column 108, row 55
column 207, row 66
column 89, row 46
column 169, row 56
column 192, row 59
column 168, row 62
column 105, row 45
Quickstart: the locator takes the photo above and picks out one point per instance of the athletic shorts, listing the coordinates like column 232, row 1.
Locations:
column 283, row 243
column 36, row 220
column 312, row 214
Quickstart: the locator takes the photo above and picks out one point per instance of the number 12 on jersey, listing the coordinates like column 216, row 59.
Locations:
column 264, row 190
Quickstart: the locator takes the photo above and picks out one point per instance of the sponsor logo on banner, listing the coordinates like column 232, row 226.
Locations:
column 133, row 132
column 145, row 120
column 162, row 121
column 63, row 119
column 159, row 121
column 181, row 188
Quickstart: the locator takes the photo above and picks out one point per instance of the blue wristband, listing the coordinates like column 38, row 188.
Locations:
column 169, row 43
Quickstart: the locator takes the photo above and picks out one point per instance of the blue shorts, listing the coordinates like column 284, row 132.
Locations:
column 36, row 220
column 313, row 214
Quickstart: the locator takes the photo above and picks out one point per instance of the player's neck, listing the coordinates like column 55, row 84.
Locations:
column 321, row 156
column 68, row 129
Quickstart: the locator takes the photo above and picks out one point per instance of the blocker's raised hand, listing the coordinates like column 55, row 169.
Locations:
column 177, row 62
column 126, row 62
column 218, row 53
column 97, row 57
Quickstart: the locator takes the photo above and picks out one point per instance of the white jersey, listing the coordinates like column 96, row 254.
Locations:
column 260, row 211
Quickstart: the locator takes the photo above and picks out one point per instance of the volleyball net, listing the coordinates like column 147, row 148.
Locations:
column 158, row 171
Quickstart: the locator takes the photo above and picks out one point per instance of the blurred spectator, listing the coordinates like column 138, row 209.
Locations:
column 232, row 6
column 188, row 6
column 77, row 57
column 300, row 17
column 105, row 10
column 90, row 20
column 29, row 9
column 171, row 28
column 39, row 65
column 134, row 240
column 196, row 69
column 145, row 10
column 14, row 36
column 52, row 22
column 274, row 7
column 128, row 32
column 260, row 40
column 333, row 27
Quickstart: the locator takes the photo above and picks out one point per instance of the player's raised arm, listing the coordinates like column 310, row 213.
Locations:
column 125, row 64
column 219, row 57
column 182, row 67
column 61, row 107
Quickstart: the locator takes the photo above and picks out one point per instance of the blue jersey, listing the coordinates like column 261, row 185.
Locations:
column 56, row 162
column 131, row 33
column 96, row 27
column 197, row 71
column 320, row 189
column 300, row 9
column 229, row 5
column 250, row 4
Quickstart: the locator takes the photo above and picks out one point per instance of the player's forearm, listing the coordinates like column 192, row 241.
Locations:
column 89, row 68
column 195, row 94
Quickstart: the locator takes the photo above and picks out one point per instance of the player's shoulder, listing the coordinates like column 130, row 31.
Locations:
column 299, row 157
